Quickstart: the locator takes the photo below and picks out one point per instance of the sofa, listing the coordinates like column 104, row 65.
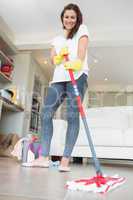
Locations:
column 111, row 129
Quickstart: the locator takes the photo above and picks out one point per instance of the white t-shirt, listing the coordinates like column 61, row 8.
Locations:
column 60, row 73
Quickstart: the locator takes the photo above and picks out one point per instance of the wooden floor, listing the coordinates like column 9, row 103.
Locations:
column 19, row 183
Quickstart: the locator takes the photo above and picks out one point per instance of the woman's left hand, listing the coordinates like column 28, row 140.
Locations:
column 75, row 65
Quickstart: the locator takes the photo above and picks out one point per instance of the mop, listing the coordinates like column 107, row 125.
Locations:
column 99, row 183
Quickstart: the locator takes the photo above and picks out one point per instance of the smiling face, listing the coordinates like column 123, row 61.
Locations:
column 69, row 19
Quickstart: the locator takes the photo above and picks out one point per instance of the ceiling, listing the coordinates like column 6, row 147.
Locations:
column 35, row 22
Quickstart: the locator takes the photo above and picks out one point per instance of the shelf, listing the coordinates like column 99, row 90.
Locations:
column 8, row 105
column 5, row 59
column 4, row 78
column 5, row 43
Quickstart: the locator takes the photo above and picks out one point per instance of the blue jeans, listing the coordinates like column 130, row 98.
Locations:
column 56, row 94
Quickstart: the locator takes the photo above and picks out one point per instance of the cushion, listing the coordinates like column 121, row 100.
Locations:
column 106, row 118
column 128, row 137
column 101, row 137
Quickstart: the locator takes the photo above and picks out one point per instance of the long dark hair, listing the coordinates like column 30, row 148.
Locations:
column 79, row 18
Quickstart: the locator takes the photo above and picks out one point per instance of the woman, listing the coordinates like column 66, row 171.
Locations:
column 75, row 38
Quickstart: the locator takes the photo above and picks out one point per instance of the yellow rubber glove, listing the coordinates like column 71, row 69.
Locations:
column 74, row 65
column 57, row 60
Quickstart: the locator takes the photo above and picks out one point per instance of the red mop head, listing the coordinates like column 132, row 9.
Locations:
column 97, row 184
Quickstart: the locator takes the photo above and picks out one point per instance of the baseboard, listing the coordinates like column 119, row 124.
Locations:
column 113, row 161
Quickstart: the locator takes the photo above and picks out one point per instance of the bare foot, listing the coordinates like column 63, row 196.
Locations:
column 42, row 158
column 64, row 162
column 39, row 162
column 64, row 165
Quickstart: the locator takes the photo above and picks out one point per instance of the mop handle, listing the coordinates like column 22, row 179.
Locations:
column 80, row 107
column 79, row 102
column 83, row 116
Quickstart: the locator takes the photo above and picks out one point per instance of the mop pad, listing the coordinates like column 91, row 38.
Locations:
column 96, row 184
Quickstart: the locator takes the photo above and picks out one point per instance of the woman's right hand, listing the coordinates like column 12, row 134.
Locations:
column 57, row 60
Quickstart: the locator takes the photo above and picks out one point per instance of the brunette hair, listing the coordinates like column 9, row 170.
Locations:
column 79, row 18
